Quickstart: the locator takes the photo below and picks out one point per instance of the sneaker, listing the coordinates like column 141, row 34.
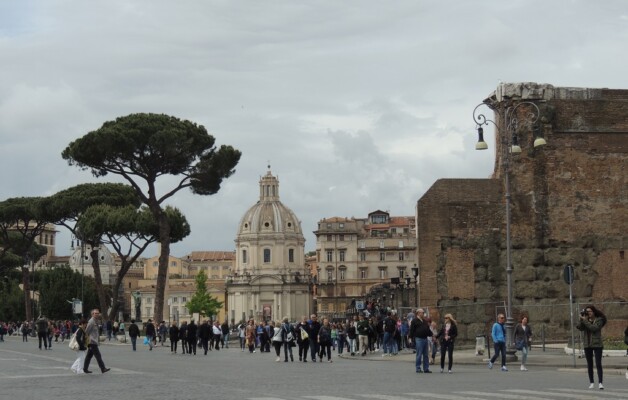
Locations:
column 490, row 365
column 504, row 369
column 105, row 370
column 592, row 386
column 418, row 371
column 523, row 367
column 449, row 371
column 441, row 370
column 600, row 386
column 278, row 359
column 427, row 371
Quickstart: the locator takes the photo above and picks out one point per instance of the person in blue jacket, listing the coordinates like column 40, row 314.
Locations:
column 498, row 333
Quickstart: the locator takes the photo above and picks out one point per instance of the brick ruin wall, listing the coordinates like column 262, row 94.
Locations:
column 569, row 206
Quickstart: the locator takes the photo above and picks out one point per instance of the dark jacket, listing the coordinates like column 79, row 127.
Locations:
column 173, row 333
column 192, row 328
column 312, row 329
column 420, row 329
column 204, row 331
column 80, row 339
column 453, row 332
column 183, row 332
column 134, row 331
column 150, row 329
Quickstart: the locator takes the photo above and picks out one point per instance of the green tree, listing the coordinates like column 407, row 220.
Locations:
column 59, row 285
column 22, row 220
column 68, row 207
column 202, row 302
column 129, row 231
column 141, row 148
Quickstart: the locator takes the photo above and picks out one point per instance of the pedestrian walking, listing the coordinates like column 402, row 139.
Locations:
column 225, row 334
column 217, row 335
column 42, row 331
column 591, row 323
column 183, row 336
column 351, row 338
column 523, row 339
column 498, row 334
column 81, row 339
column 421, row 333
column 173, row 333
column 192, row 338
column 276, row 339
column 93, row 350
column 288, row 339
column 434, row 344
column 242, row 335
column 313, row 327
column 447, row 336
column 303, row 339
column 363, row 329
column 250, row 336
column 149, row 332
column 134, row 332
column 325, row 341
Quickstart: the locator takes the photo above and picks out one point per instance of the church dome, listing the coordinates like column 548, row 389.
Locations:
column 269, row 217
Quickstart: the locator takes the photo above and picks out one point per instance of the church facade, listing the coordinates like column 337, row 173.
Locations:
column 270, row 280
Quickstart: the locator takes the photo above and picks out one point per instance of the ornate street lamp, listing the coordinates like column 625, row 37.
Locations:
column 510, row 146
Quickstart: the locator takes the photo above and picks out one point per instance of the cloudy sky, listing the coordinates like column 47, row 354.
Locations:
column 356, row 105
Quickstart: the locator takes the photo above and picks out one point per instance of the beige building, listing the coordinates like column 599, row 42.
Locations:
column 181, row 285
column 358, row 255
column 270, row 279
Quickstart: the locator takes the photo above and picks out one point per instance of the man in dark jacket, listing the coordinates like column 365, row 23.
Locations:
column 134, row 332
column 192, row 338
column 419, row 332
column 225, row 334
column 313, row 327
column 42, row 330
column 203, row 334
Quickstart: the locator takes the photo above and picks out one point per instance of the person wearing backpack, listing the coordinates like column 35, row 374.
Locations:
column 288, row 337
column 591, row 323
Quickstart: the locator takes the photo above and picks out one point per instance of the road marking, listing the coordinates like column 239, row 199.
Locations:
column 326, row 398
column 562, row 395
column 421, row 395
column 599, row 392
column 504, row 395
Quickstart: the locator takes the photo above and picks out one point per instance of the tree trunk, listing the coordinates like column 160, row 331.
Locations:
column 100, row 291
column 162, row 273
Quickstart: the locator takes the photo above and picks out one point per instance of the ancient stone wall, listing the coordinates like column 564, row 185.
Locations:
column 569, row 206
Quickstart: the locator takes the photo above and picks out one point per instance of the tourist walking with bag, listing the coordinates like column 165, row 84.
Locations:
column 523, row 338
column 591, row 323
column 288, row 337
column 81, row 339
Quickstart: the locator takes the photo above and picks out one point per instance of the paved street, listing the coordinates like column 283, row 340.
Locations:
column 232, row 374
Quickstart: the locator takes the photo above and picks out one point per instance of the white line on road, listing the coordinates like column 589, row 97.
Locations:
column 503, row 395
column 562, row 395
column 598, row 392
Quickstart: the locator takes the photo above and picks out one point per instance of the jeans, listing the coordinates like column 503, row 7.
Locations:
column 134, row 342
column 325, row 349
column 150, row 342
column 314, row 348
column 524, row 355
column 242, row 342
column 287, row 348
column 173, row 345
column 341, row 344
column 422, row 354
column 304, row 346
column 446, row 347
column 588, row 354
column 500, row 347
column 387, row 343
column 351, row 346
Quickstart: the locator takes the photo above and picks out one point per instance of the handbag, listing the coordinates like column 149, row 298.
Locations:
column 519, row 343
column 74, row 345
column 145, row 339
column 304, row 334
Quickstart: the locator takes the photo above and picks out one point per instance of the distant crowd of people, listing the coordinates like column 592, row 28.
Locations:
column 311, row 339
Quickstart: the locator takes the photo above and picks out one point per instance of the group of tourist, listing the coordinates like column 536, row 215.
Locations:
column 313, row 339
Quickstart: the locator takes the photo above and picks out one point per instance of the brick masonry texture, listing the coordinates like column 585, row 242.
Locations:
column 569, row 205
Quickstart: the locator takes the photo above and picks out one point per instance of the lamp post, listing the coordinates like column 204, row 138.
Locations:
column 415, row 274
column 510, row 146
